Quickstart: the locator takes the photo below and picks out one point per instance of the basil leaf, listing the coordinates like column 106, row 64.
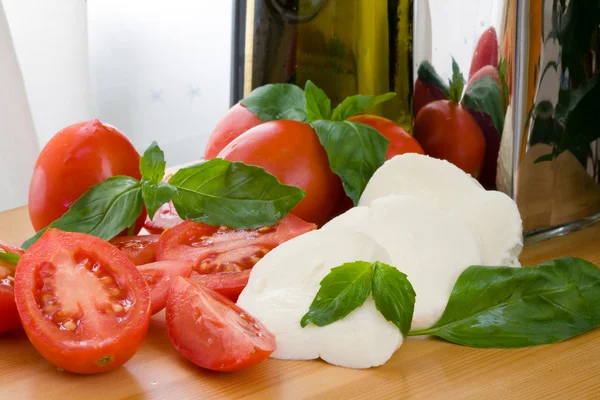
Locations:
column 457, row 83
column 155, row 195
column 342, row 291
column 355, row 151
column 516, row 307
column 219, row 192
column 152, row 163
column 318, row 105
column 277, row 101
column 503, row 75
column 485, row 96
column 354, row 105
column 394, row 296
column 427, row 74
column 11, row 258
column 105, row 210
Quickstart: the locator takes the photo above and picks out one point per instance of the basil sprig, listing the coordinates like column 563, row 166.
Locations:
column 219, row 192
column 277, row 101
column 216, row 192
column 348, row 286
column 506, row 307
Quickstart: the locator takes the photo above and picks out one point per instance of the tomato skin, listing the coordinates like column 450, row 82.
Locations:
column 100, row 341
column 219, row 249
column 487, row 70
column 159, row 276
column 212, row 332
column 486, row 51
column 228, row 284
column 235, row 122
column 166, row 217
column 9, row 316
column 425, row 93
column 76, row 158
column 291, row 151
column 401, row 142
column 139, row 249
column 448, row 131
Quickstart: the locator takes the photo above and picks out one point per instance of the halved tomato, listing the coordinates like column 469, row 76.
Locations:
column 159, row 276
column 212, row 332
column 140, row 249
column 221, row 249
column 9, row 317
column 166, row 217
column 228, row 284
column 83, row 304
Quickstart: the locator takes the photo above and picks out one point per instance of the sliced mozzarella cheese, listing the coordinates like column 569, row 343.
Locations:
column 284, row 283
column 431, row 244
column 493, row 215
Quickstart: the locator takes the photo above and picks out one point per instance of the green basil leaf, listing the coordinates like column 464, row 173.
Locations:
column 11, row 258
column 152, row 163
column 503, row 75
column 485, row 96
column 427, row 74
column 358, row 104
column 277, row 101
column 105, row 210
column 394, row 296
column 355, row 151
column 219, row 192
column 517, row 307
column 155, row 195
column 342, row 291
column 457, row 83
column 318, row 105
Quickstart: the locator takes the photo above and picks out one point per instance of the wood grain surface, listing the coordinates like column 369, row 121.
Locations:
column 421, row 369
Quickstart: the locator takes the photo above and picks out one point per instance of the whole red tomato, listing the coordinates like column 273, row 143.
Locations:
column 237, row 121
column 291, row 151
column 448, row 131
column 401, row 142
column 76, row 158
column 486, row 51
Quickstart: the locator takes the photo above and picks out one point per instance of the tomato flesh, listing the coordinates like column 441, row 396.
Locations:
column 166, row 217
column 159, row 276
column 212, row 332
column 9, row 316
column 83, row 304
column 140, row 249
column 228, row 284
column 220, row 249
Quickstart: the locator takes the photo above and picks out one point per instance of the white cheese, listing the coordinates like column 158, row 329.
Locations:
column 431, row 244
column 493, row 215
column 284, row 283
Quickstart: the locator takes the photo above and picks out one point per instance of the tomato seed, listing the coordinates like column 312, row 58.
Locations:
column 107, row 280
column 69, row 325
column 117, row 308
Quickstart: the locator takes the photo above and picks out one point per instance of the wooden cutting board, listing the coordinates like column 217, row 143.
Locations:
column 421, row 369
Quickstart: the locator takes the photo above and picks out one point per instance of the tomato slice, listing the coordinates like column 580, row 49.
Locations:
column 166, row 217
column 222, row 249
column 140, row 249
column 83, row 304
column 228, row 284
column 212, row 332
column 159, row 276
column 9, row 316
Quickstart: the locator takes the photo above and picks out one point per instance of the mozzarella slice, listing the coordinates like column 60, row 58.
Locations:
column 431, row 244
column 284, row 283
column 493, row 215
